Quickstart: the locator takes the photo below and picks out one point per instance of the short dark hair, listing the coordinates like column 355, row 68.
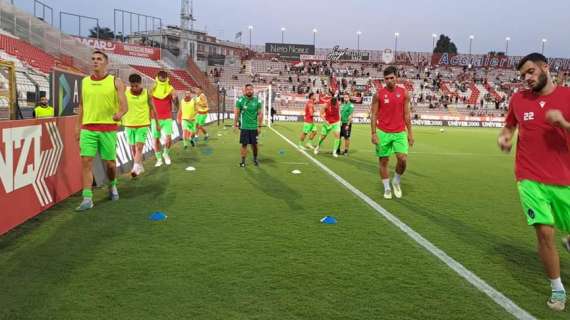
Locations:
column 533, row 57
column 101, row 53
column 311, row 95
column 135, row 78
column 391, row 70
column 249, row 85
column 162, row 74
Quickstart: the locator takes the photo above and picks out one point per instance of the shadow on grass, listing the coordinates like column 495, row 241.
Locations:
column 513, row 256
column 274, row 187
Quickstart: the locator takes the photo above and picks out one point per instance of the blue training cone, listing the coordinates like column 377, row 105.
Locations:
column 157, row 216
column 328, row 220
column 281, row 152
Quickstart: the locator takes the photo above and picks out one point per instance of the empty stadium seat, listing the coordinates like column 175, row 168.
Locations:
column 28, row 53
column 152, row 72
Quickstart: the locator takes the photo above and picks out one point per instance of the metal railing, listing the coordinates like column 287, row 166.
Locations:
column 42, row 35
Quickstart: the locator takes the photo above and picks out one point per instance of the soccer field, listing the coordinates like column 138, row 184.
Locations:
column 246, row 243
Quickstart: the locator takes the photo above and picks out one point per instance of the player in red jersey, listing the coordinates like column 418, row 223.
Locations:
column 309, row 127
column 542, row 166
column 391, row 126
column 330, row 114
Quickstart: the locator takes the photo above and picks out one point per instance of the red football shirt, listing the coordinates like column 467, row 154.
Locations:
column 543, row 151
column 332, row 112
column 309, row 109
column 391, row 104
column 163, row 107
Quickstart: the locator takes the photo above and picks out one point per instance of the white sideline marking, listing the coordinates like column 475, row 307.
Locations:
column 461, row 154
column 453, row 154
column 465, row 273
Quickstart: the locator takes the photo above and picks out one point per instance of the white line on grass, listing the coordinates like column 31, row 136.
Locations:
column 468, row 275
column 453, row 154
column 461, row 154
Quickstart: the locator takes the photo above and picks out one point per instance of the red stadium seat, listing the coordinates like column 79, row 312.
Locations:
column 152, row 72
column 29, row 54
column 474, row 94
column 186, row 77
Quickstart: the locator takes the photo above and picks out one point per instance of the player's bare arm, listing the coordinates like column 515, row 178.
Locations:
column 153, row 113
column 373, row 117
column 556, row 118
column 505, row 139
column 80, row 119
column 123, row 106
column 236, row 117
column 408, row 119
column 175, row 100
column 259, row 119
column 322, row 113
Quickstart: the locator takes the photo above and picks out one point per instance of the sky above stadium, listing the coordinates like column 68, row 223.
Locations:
column 526, row 22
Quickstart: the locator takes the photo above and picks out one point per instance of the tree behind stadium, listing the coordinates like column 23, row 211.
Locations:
column 445, row 45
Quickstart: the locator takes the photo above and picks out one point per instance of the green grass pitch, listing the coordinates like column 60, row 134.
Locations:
column 246, row 243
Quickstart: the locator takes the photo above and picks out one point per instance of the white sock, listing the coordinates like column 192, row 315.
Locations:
column 386, row 184
column 397, row 178
column 556, row 284
column 114, row 190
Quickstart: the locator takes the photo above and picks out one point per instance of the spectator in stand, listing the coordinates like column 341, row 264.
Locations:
column 43, row 109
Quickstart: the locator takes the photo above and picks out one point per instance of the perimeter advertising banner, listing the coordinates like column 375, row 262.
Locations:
column 66, row 90
column 121, row 48
column 491, row 61
column 424, row 120
column 39, row 167
column 289, row 51
column 338, row 54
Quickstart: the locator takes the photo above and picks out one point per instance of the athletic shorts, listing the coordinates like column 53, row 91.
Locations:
column 345, row 130
column 309, row 127
column 165, row 128
column 189, row 125
column 248, row 136
column 104, row 142
column 327, row 128
column 136, row 135
column 545, row 204
column 201, row 119
column 391, row 143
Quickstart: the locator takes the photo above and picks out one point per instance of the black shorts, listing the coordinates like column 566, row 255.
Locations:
column 345, row 130
column 248, row 136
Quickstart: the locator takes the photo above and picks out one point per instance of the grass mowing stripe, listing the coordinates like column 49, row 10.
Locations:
column 465, row 273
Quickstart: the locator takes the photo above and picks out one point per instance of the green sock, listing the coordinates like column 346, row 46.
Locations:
column 336, row 144
column 87, row 193
column 166, row 151
column 158, row 155
column 114, row 183
column 185, row 142
column 321, row 142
